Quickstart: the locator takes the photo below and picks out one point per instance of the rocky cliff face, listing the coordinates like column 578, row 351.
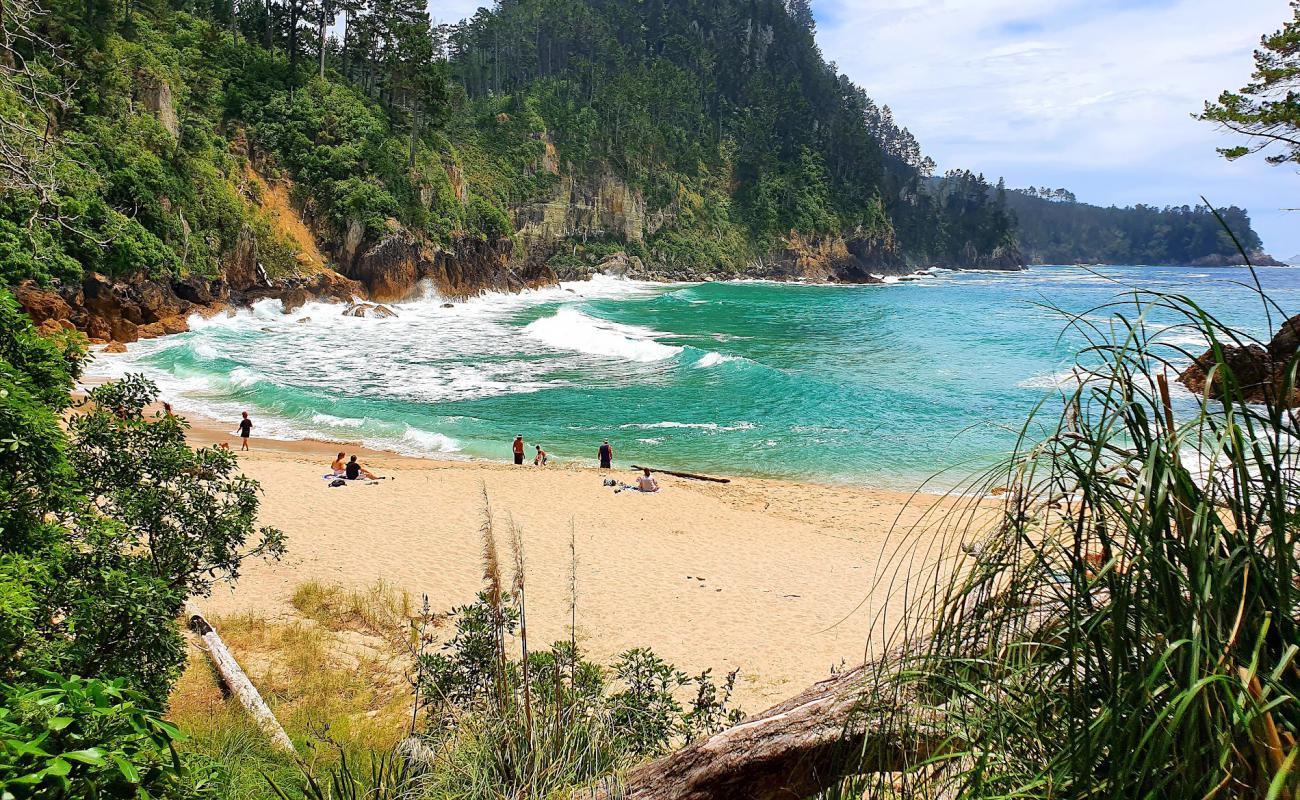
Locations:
column 1006, row 257
column 391, row 269
column 137, row 308
column 588, row 209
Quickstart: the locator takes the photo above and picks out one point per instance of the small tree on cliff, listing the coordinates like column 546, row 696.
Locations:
column 1267, row 110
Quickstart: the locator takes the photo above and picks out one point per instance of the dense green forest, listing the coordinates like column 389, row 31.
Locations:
column 1054, row 228
column 142, row 136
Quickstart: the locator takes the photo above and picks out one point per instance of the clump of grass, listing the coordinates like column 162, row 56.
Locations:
column 1128, row 625
column 381, row 610
column 333, row 695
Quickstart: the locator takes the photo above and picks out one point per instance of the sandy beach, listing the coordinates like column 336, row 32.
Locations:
column 780, row 580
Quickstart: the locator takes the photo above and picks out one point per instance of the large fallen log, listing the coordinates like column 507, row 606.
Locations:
column 790, row 751
column 239, row 685
column 691, row 475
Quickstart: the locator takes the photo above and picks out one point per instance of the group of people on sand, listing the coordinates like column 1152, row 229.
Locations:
column 605, row 455
column 351, row 469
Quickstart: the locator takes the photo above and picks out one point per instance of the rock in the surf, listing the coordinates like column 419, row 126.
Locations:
column 369, row 310
column 1260, row 372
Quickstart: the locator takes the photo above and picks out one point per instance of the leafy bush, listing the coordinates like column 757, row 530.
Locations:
column 105, row 530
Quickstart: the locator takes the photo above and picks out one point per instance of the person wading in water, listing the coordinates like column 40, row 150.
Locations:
column 606, row 456
column 519, row 450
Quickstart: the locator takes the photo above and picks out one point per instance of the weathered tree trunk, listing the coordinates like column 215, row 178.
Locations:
column 790, row 751
column 691, row 475
column 239, row 684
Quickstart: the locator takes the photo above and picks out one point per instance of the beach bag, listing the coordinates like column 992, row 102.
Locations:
column 337, row 483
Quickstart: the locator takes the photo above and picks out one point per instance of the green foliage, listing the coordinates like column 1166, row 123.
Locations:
column 1266, row 110
column 86, row 738
column 1062, row 231
column 105, row 530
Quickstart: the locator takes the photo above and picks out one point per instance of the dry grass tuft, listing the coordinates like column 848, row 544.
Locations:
column 383, row 610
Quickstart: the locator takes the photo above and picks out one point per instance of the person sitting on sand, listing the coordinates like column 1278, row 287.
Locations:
column 540, row 460
column 354, row 470
column 647, row 483
column 338, row 467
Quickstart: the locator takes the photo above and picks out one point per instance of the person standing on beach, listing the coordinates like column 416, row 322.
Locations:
column 519, row 450
column 606, row 456
column 245, row 430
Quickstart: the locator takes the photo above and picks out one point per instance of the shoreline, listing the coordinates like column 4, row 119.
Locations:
column 782, row 580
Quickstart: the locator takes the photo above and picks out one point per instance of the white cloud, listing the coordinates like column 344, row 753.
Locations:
column 1094, row 96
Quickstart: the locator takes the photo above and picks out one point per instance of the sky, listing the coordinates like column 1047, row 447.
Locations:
column 1095, row 96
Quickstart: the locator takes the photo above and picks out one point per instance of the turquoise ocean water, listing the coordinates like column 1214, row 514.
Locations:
column 882, row 385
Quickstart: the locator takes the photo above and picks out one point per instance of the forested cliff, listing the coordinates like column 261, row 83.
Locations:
column 1053, row 227
column 265, row 138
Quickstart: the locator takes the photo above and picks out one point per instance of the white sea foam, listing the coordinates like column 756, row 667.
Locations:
column 243, row 377
column 707, row 426
column 422, row 442
column 652, row 440
column 712, row 359
column 337, row 422
column 1054, row 380
column 570, row 329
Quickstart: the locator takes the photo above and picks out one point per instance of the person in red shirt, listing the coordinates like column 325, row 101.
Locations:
column 519, row 450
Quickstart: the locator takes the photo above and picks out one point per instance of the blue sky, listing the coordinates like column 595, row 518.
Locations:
column 1092, row 95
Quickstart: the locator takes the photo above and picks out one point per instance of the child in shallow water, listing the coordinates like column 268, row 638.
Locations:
column 541, row 459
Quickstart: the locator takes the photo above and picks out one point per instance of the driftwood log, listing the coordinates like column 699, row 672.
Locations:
column 790, row 751
column 691, row 475
column 239, row 685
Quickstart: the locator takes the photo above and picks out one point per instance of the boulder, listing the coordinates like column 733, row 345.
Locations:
column 217, row 309
column 114, row 347
column 1250, row 365
column 49, row 327
column 156, row 300
column 330, row 285
column 621, row 265
column 293, row 298
column 369, row 310
column 304, row 320
column 166, row 327
column 41, row 304
column 390, row 269
column 193, row 289
column 1286, row 343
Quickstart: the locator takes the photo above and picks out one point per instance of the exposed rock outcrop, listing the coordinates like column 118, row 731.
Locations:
column 832, row 259
column 605, row 206
column 241, row 270
column 369, row 310
column 1259, row 372
column 156, row 95
column 1006, row 257
column 141, row 308
column 1258, row 258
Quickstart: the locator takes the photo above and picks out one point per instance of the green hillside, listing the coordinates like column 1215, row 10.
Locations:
column 707, row 137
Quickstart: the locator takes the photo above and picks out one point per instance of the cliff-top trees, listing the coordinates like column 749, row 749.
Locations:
column 1267, row 110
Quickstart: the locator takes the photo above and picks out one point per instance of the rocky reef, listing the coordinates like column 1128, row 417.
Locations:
column 127, row 310
column 1261, row 372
